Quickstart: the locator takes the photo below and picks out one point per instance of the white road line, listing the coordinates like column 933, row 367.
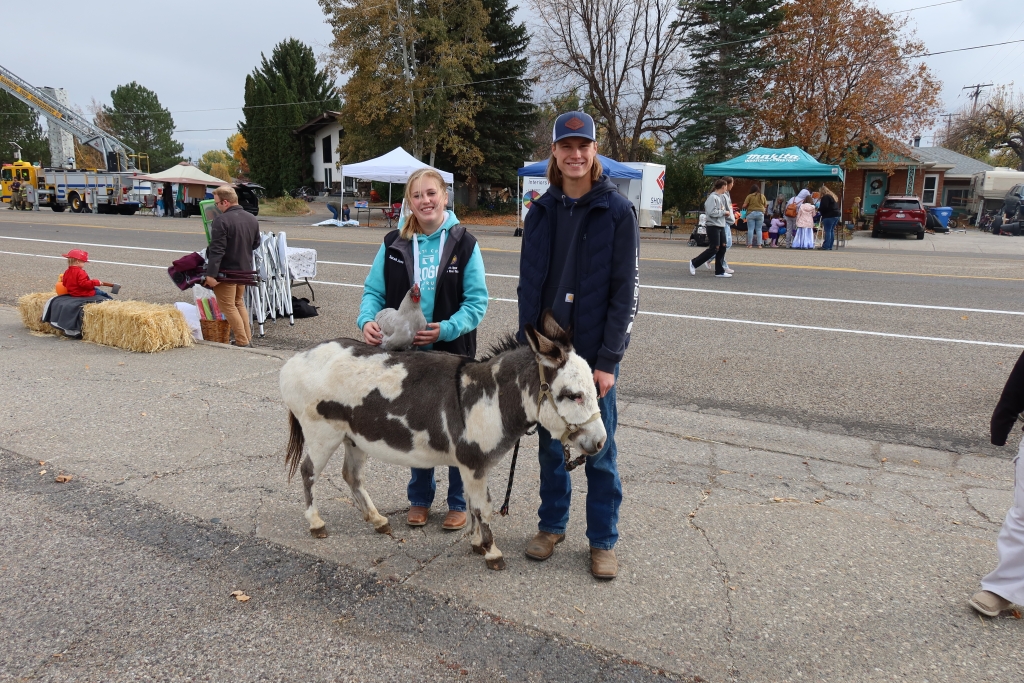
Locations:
column 89, row 244
column 833, row 329
column 834, row 301
column 61, row 258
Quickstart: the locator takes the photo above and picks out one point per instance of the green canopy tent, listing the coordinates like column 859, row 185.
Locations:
column 787, row 163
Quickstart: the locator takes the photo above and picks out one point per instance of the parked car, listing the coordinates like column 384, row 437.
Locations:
column 249, row 196
column 1013, row 202
column 900, row 214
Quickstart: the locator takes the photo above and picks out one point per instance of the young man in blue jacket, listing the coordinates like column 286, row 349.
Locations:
column 580, row 258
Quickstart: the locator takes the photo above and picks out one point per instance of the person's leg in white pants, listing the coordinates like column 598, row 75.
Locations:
column 1007, row 579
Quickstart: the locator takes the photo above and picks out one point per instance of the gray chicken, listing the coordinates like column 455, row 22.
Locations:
column 399, row 327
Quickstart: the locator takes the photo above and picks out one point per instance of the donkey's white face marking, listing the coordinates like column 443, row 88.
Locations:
column 576, row 397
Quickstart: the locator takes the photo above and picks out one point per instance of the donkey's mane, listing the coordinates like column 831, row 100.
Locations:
column 506, row 343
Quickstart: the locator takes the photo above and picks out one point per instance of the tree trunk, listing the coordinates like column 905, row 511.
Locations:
column 473, row 184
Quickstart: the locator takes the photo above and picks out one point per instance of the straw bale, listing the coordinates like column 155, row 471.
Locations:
column 136, row 326
column 30, row 306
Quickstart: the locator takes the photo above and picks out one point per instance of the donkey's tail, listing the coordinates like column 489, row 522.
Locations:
column 296, row 440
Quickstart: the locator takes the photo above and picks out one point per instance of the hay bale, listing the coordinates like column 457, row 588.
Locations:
column 136, row 326
column 31, row 307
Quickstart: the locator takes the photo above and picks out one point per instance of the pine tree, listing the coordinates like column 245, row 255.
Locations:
column 281, row 94
column 504, row 126
column 136, row 118
column 19, row 124
column 724, row 40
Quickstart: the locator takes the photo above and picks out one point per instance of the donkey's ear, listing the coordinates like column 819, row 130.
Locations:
column 554, row 331
column 548, row 352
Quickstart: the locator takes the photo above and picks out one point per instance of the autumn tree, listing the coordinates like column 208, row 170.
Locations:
column 622, row 56
column 20, row 125
column 281, row 94
column 845, row 75
column 219, row 163
column 991, row 130
column 237, row 146
column 409, row 66
column 727, row 59
column 136, row 117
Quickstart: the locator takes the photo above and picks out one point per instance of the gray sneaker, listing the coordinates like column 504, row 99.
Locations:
column 724, row 275
column 989, row 603
column 729, row 270
column 693, row 271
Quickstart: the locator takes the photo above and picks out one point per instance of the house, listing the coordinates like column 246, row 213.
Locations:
column 326, row 131
column 956, row 182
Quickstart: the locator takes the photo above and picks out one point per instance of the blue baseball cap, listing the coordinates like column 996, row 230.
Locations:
column 574, row 124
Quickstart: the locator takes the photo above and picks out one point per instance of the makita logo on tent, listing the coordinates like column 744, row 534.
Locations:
column 759, row 158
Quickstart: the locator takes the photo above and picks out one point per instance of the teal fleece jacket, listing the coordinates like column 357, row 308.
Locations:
column 474, row 286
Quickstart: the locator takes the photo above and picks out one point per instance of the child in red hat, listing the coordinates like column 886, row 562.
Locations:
column 77, row 281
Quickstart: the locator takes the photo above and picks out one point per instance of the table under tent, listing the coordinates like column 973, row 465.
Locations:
column 394, row 167
column 786, row 163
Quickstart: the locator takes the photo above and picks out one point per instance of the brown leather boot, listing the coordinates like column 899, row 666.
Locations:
column 603, row 564
column 454, row 520
column 542, row 545
column 417, row 515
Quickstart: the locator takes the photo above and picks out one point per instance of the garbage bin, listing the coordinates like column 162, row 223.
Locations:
column 943, row 213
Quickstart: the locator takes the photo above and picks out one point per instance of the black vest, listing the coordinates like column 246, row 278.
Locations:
column 398, row 265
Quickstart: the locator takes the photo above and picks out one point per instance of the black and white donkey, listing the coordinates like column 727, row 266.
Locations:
column 424, row 409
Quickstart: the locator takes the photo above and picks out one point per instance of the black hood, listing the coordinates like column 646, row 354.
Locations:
column 600, row 188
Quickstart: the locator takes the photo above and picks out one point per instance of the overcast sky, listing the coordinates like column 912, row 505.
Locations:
column 195, row 55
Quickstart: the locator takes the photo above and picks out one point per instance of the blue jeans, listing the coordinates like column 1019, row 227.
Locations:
column 422, row 488
column 829, row 225
column 604, row 490
column 755, row 222
column 333, row 209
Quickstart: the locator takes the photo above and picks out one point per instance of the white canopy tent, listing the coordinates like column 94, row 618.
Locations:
column 185, row 174
column 394, row 167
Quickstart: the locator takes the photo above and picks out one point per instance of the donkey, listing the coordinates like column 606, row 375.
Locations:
column 426, row 409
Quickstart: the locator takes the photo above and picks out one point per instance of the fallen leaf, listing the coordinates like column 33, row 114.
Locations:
column 724, row 472
column 578, row 609
column 784, row 500
column 732, row 588
column 819, row 501
column 42, row 462
column 58, row 655
column 885, row 459
column 120, row 363
column 916, row 462
column 240, row 596
column 956, row 522
column 1016, row 613
column 963, row 317
column 42, row 471
column 62, row 478
column 143, row 415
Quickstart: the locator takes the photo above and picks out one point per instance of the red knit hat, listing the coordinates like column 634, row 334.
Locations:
column 82, row 256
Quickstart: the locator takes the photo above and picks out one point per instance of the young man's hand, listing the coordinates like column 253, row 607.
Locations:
column 604, row 381
column 427, row 336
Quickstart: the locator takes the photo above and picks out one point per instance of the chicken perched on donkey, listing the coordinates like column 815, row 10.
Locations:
column 430, row 409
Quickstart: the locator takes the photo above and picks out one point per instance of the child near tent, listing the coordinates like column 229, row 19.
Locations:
column 777, row 227
column 76, row 282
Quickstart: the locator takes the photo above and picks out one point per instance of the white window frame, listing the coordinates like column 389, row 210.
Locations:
column 328, row 177
column 934, row 190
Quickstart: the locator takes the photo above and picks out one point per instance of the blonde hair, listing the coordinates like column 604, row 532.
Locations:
column 555, row 174
column 830, row 193
column 412, row 224
column 225, row 193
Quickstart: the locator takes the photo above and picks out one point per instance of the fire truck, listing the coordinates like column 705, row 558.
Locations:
column 108, row 191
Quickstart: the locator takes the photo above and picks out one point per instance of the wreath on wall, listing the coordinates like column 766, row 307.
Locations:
column 865, row 149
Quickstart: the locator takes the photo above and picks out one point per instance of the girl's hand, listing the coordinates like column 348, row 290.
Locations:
column 372, row 334
column 427, row 336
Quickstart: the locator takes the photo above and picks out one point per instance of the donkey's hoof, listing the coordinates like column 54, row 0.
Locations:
column 385, row 529
column 319, row 533
column 479, row 550
column 496, row 564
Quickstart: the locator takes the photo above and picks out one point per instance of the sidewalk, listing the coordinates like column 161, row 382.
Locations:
column 748, row 551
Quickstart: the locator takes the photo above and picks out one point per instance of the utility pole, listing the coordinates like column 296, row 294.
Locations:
column 976, row 94
column 949, row 126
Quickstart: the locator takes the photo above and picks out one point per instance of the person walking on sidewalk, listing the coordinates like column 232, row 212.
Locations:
column 755, row 204
column 1004, row 586
column 830, row 212
column 580, row 257
column 234, row 235
column 716, row 207
column 430, row 248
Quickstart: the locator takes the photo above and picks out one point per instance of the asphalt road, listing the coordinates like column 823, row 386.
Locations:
column 903, row 341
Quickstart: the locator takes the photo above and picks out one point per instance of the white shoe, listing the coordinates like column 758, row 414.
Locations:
column 707, row 264
column 693, row 271
column 724, row 275
column 729, row 270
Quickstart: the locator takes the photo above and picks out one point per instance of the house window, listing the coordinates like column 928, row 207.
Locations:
column 328, row 152
column 957, row 198
column 328, row 177
column 930, row 192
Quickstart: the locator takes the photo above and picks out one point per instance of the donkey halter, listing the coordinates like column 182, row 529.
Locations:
column 570, row 428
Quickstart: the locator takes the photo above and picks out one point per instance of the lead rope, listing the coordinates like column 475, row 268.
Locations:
column 511, row 477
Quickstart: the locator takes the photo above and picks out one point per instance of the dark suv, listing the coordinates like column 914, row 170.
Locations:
column 1013, row 203
column 901, row 214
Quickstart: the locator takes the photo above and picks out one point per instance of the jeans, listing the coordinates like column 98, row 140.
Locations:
column 829, row 225
column 102, row 294
column 755, row 222
column 333, row 209
column 716, row 249
column 604, row 490
column 422, row 488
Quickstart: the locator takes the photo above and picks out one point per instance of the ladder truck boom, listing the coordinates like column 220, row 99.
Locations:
column 63, row 117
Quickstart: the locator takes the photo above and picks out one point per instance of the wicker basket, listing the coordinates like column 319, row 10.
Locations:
column 215, row 330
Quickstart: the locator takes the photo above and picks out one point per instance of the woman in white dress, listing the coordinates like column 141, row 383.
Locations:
column 804, row 238
column 795, row 203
